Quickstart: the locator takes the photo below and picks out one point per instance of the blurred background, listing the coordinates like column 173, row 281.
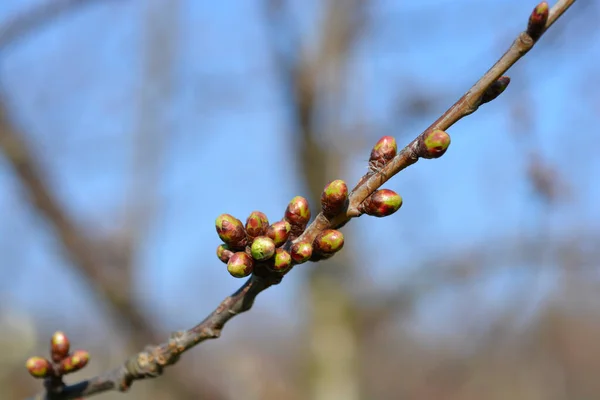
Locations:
column 127, row 126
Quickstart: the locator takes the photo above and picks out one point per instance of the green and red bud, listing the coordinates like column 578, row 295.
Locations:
column 59, row 346
column 384, row 150
column 297, row 214
column 257, row 224
column 495, row 89
column 74, row 362
column 39, row 367
column 282, row 261
column 231, row 230
column 262, row 248
column 433, row 144
column 224, row 253
column 301, row 252
column 240, row 265
column 279, row 232
column 381, row 203
column 328, row 242
column 334, row 198
column 537, row 20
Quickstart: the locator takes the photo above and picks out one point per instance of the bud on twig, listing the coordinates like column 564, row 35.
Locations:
column 434, row 144
column 257, row 224
column 384, row 150
column 297, row 214
column 262, row 248
column 279, row 232
column 224, row 253
column 328, row 242
column 240, row 265
column 301, row 252
column 59, row 346
column 231, row 231
column 334, row 198
column 537, row 20
column 495, row 89
column 74, row 362
column 282, row 261
column 381, row 203
column 39, row 367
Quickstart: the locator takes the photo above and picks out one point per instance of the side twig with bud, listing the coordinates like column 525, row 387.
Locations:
column 267, row 252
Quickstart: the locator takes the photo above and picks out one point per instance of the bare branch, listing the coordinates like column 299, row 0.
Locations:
column 151, row 362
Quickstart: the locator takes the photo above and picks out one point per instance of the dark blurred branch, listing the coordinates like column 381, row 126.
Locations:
column 150, row 363
column 30, row 20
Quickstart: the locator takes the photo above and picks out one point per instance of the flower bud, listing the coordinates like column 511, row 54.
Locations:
column 59, row 346
column 262, row 248
column 224, row 253
column 537, row 20
column 434, row 144
column 384, row 150
column 301, row 252
column 240, row 265
column 74, row 362
column 231, row 230
column 279, row 232
column 381, row 203
column 282, row 261
column 297, row 212
column 39, row 367
column 256, row 224
column 328, row 242
column 334, row 198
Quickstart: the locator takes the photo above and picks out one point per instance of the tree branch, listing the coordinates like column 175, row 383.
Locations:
column 151, row 362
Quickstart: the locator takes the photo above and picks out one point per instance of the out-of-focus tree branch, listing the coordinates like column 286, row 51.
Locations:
column 32, row 19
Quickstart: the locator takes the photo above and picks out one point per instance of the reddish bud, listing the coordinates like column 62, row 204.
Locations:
column 297, row 214
column 224, row 253
column 301, row 252
column 59, row 346
column 262, row 248
column 240, row 265
column 495, row 89
column 282, row 261
column 279, row 232
column 328, row 242
column 381, row 203
column 39, row 367
column 256, row 224
column 537, row 20
column 334, row 197
column 384, row 150
column 74, row 362
column 231, row 230
column 434, row 144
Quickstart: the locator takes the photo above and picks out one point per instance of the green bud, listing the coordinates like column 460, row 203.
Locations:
column 381, row 203
column 301, row 252
column 328, row 242
column 224, row 253
column 434, row 144
column 282, row 261
column 262, row 248
column 334, row 197
column 240, row 265
column 279, row 232
column 74, row 362
column 257, row 224
column 231, row 230
column 39, row 367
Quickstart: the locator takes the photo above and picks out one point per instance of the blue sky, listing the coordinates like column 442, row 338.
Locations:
column 74, row 87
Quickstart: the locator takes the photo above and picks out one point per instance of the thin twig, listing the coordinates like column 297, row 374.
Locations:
column 151, row 362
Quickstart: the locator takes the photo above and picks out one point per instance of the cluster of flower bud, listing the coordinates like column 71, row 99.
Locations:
column 62, row 361
column 258, row 243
